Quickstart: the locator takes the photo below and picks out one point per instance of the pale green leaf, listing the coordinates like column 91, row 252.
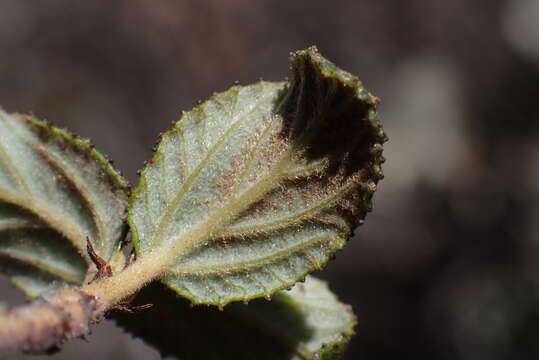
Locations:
column 55, row 190
column 305, row 323
column 260, row 185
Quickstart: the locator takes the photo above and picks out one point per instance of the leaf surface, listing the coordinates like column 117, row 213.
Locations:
column 55, row 190
column 307, row 322
column 260, row 185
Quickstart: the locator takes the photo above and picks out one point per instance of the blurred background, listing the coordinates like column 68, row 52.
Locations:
column 447, row 265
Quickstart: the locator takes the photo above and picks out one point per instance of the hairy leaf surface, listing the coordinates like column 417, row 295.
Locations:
column 260, row 185
column 55, row 190
column 307, row 322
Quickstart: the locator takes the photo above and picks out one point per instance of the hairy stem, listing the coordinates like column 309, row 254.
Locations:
column 45, row 324
column 41, row 331
column 110, row 291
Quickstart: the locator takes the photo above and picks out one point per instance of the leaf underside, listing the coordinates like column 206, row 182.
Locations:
column 261, row 184
column 305, row 323
column 55, row 190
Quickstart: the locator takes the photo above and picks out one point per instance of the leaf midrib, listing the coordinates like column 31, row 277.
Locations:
column 39, row 208
column 171, row 209
column 201, row 232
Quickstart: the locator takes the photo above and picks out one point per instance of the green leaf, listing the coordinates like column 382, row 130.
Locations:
column 307, row 322
column 260, row 185
column 55, row 190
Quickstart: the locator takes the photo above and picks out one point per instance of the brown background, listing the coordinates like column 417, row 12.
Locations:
column 447, row 265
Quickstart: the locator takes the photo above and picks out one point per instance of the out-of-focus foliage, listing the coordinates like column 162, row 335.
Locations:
column 446, row 266
column 306, row 322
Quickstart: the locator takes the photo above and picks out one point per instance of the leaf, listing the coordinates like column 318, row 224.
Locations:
column 55, row 190
column 307, row 322
column 260, row 185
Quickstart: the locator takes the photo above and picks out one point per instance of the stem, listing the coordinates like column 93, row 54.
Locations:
column 110, row 291
column 45, row 324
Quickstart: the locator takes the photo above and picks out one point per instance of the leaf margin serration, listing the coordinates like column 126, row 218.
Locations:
column 327, row 70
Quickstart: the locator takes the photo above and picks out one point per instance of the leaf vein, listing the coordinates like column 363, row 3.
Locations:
column 6, row 159
column 186, row 185
column 55, row 220
column 77, row 184
column 254, row 263
column 292, row 219
column 40, row 264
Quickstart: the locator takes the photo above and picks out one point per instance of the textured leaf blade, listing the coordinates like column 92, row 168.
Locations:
column 307, row 322
column 55, row 190
column 260, row 185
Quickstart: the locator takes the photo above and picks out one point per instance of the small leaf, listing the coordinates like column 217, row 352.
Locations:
column 307, row 322
column 260, row 185
column 55, row 190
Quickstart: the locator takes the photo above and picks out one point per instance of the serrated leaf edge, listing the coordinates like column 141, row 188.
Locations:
column 327, row 70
